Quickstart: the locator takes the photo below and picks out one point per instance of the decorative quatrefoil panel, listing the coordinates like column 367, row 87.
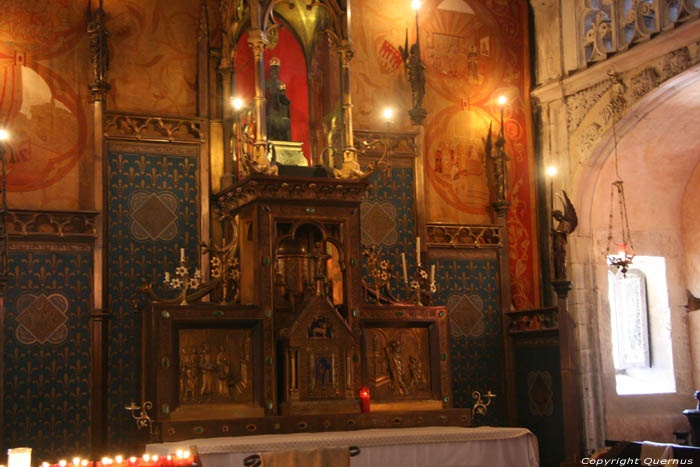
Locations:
column 153, row 215
column 42, row 318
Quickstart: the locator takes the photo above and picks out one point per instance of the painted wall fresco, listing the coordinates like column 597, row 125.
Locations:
column 153, row 212
column 43, row 95
column 153, row 56
column 474, row 51
column 46, row 400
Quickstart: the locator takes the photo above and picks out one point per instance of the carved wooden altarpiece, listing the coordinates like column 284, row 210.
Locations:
column 293, row 353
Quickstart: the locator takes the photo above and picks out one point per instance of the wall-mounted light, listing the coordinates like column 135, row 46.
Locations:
column 388, row 115
column 237, row 103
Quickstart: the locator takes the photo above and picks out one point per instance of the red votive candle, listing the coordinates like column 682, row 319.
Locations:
column 364, row 399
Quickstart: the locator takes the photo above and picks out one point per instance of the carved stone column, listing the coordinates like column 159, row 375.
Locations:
column 350, row 167
column 569, row 376
column 548, row 63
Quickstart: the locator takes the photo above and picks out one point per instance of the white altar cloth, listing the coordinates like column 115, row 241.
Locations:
column 401, row 447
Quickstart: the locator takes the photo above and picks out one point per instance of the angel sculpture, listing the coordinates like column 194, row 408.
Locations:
column 568, row 220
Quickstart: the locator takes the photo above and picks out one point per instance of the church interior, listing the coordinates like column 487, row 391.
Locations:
column 233, row 218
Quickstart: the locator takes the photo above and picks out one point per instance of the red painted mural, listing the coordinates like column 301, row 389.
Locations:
column 474, row 51
column 39, row 100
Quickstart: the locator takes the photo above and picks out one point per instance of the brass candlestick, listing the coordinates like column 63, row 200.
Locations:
column 140, row 414
column 480, row 406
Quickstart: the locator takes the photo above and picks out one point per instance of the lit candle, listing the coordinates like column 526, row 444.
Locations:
column 364, row 399
column 418, row 250
column 403, row 263
column 621, row 250
column 182, row 255
column 432, row 274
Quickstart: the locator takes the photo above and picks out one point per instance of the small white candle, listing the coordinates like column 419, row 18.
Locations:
column 167, row 277
column 403, row 263
column 182, row 255
column 432, row 274
column 418, row 250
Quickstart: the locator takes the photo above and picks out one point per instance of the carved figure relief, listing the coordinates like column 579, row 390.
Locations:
column 398, row 358
column 214, row 366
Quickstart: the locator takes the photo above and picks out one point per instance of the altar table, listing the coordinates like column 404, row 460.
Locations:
column 402, row 447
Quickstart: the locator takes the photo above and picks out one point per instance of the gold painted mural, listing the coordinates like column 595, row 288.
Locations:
column 474, row 51
column 153, row 56
column 43, row 88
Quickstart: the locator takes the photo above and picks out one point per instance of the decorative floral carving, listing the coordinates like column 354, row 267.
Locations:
column 588, row 137
column 578, row 104
column 675, row 62
column 644, row 81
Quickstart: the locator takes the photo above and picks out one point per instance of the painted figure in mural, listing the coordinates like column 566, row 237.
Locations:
column 279, row 126
column 393, row 357
column 98, row 33
column 567, row 222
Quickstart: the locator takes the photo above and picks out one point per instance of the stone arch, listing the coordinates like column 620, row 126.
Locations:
column 659, row 151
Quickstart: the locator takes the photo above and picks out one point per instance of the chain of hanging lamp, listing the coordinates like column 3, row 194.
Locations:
column 625, row 250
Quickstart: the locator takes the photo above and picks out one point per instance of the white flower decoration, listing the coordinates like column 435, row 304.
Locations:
column 176, row 283
column 423, row 274
column 181, row 271
column 414, row 285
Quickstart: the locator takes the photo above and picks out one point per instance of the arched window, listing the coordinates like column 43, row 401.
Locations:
column 640, row 322
column 629, row 319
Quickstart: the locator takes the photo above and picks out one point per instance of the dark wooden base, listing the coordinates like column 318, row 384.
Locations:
column 179, row 431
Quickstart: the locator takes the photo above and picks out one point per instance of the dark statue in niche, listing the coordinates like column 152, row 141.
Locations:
column 567, row 222
column 279, row 126
column 496, row 154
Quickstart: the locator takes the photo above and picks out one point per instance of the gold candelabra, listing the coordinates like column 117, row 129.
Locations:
column 422, row 283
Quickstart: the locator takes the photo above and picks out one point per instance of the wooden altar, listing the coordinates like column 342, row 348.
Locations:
column 293, row 344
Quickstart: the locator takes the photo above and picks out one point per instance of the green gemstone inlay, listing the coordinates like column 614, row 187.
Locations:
column 443, row 357
column 268, row 313
column 310, row 210
column 218, row 314
column 353, row 262
column 399, row 313
column 268, row 359
column 355, row 312
column 269, row 406
column 165, row 362
column 165, row 314
column 356, row 358
column 165, row 409
column 441, row 314
column 266, row 260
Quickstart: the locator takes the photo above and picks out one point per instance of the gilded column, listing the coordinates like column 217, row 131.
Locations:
column 350, row 167
column 99, row 317
column 260, row 162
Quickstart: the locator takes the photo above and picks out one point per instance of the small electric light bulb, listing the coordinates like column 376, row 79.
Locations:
column 551, row 171
column 502, row 100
